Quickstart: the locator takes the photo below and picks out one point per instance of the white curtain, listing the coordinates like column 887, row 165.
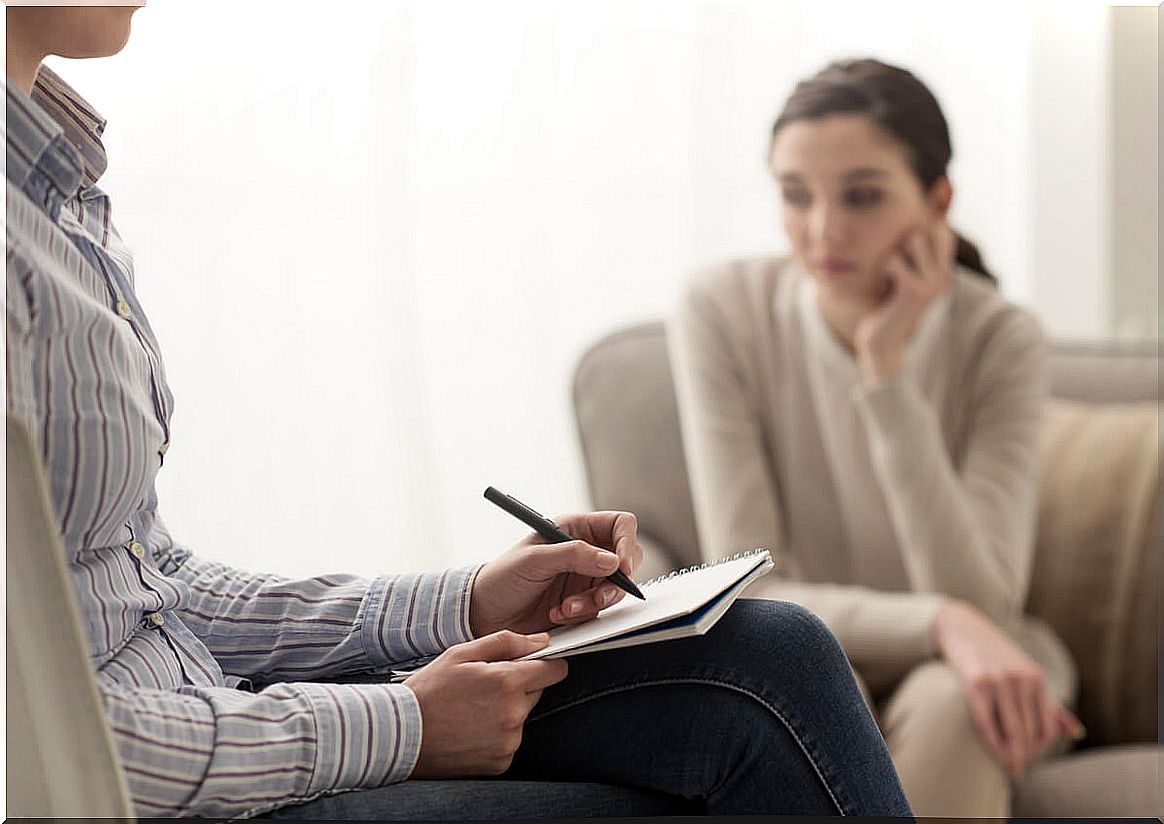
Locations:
column 374, row 237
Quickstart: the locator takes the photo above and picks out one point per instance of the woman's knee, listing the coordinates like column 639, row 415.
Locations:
column 931, row 696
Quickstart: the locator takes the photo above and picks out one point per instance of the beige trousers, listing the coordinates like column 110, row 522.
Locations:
column 945, row 768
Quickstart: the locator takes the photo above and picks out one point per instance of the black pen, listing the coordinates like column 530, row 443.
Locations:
column 551, row 532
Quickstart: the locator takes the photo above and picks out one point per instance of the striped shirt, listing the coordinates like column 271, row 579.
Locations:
column 175, row 640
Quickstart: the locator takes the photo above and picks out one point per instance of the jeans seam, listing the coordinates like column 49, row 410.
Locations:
column 711, row 682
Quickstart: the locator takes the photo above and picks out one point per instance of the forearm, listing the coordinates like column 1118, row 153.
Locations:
column 889, row 629
column 966, row 539
column 270, row 628
column 220, row 752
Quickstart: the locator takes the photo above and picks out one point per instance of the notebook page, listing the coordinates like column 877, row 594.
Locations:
column 666, row 599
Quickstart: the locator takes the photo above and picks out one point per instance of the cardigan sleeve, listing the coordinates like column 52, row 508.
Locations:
column 966, row 530
column 734, row 489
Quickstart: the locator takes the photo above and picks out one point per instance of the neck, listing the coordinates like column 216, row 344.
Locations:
column 841, row 319
column 23, row 58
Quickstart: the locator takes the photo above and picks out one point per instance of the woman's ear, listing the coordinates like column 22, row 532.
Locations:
column 940, row 196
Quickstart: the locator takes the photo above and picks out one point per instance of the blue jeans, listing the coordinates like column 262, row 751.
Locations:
column 761, row 715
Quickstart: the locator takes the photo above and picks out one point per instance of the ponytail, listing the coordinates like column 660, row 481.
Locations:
column 968, row 255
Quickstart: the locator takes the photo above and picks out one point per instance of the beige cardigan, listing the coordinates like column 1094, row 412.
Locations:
column 953, row 444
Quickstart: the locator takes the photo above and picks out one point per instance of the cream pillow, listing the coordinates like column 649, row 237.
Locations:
column 1097, row 558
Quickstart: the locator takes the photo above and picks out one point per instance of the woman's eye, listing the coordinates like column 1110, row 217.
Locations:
column 796, row 197
column 863, row 197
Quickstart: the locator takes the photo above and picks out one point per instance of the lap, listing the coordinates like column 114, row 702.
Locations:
column 665, row 728
column 485, row 800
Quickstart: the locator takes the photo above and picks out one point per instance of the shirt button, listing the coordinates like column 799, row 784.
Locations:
column 164, row 448
column 157, row 619
column 137, row 550
column 123, row 309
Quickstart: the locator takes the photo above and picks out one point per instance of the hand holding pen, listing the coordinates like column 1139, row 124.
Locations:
column 551, row 532
column 538, row 585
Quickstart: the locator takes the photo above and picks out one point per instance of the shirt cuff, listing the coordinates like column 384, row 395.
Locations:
column 417, row 615
column 367, row 735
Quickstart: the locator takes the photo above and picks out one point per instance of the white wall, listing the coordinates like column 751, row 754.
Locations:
column 374, row 240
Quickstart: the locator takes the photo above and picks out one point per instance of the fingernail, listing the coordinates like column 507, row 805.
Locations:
column 571, row 608
column 538, row 637
column 607, row 560
column 608, row 595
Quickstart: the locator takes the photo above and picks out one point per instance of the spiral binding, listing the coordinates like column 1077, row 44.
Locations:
column 675, row 573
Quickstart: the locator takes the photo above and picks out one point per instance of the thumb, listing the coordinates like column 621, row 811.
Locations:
column 501, row 646
column 575, row 556
column 1071, row 725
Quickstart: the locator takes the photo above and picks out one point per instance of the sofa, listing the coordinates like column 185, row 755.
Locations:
column 1097, row 570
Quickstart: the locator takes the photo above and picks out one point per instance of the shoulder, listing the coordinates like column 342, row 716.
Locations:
column 992, row 334
column 984, row 314
column 737, row 289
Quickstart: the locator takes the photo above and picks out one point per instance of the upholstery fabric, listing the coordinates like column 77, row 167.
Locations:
column 1101, row 782
column 1097, row 562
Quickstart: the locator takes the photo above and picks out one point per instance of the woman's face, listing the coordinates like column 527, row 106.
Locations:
column 849, row 200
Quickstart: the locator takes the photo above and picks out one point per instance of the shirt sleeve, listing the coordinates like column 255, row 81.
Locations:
column 966, row 530
column 735, row 493
column 269, row 628
column 219, row 752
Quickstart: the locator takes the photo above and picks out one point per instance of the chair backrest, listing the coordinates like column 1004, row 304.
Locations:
column 61, row 762
column 628, row 423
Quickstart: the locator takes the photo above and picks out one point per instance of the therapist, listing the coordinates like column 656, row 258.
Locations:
column 760, row 716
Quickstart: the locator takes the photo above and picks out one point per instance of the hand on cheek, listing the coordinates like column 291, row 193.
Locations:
column 917, row 272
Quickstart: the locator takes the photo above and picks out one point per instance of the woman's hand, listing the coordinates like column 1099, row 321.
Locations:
column 919, row 272
column 1013, row 710
column 536, row 585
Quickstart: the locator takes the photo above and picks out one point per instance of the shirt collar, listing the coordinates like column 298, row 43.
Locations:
column 54, row 132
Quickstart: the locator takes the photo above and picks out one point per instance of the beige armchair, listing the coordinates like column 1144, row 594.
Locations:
column 1097, row 568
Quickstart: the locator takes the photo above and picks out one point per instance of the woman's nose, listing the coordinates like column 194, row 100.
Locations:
column 826, row 225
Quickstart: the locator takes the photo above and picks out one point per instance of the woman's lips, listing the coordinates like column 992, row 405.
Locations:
column 836, row 266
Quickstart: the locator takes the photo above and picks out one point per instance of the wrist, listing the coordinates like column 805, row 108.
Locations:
column 880, row 367
column 952, row 615
column 478, row 622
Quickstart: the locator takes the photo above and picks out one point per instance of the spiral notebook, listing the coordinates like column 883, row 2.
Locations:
column 684, row 603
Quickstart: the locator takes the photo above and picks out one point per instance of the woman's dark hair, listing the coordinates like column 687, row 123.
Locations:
column 897, row 103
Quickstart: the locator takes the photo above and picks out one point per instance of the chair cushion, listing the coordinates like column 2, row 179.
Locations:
column 1098, row 782
column 1097, row 560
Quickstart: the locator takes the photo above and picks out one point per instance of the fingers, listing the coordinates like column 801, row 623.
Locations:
column 1030, row 692
column 499, row 646
column 921, row 265
column 578, row 557
column 986, row 720
column 1048, row 712
column 1070, row 724
column 583, row 606
column 1006, row 701
column 947, row 245
column 920, row 256
column 535, row 676
column 616, row 531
